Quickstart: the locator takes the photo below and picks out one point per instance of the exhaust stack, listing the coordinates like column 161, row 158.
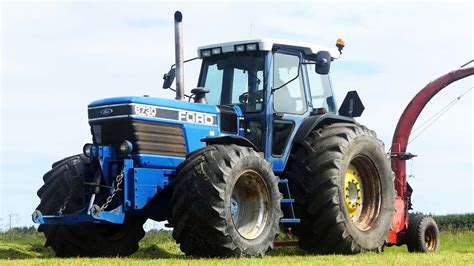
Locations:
column 178, row 48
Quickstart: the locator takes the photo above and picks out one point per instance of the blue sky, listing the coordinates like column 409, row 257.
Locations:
column 58, row 57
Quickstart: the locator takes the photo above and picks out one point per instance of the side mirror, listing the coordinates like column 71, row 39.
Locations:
column 169, row 78
column 323, row 62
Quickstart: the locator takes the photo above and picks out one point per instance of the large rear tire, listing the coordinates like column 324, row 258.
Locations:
column 343, row 185
column 84, row 240
column 225, row 203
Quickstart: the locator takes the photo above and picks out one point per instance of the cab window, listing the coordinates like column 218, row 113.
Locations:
column 235, row 79
column 321, row 90
column 288, row 95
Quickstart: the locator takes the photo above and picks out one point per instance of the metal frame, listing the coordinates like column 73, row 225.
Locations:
column 141, row 185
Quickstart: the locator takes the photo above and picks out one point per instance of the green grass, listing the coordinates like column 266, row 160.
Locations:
column 159, row 248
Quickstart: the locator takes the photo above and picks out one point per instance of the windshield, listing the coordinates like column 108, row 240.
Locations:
column 235, row 78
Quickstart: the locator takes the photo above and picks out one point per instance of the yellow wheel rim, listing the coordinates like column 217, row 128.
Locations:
column 353, row 197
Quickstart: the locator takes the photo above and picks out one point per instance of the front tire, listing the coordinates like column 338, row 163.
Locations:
column 83, row 240
column 225, row 203
column 343, row 185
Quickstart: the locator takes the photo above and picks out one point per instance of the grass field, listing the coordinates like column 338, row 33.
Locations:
column 159, row 248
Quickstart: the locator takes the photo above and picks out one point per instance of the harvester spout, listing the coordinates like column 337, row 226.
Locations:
column 408, row 119
column 178, row 42
column 399, row 149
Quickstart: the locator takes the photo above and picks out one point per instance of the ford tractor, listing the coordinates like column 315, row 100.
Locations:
column 258, row 145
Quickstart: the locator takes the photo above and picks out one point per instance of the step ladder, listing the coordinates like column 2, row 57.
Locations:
column 287, row 204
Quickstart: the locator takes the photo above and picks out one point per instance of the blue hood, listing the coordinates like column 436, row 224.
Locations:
column 169, row 103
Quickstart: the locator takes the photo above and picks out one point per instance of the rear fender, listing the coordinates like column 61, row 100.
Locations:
column 312, row 123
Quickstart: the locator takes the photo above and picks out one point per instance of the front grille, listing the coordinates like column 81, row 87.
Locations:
column 146, row 137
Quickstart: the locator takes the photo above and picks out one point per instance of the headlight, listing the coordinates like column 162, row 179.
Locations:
column 87, row 150
column 126, row 147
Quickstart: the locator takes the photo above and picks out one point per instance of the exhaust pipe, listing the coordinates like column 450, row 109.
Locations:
column 178, row 48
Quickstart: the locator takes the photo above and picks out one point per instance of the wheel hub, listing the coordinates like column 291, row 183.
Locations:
column 249, row 204
column 430, row 239
column 353, row 198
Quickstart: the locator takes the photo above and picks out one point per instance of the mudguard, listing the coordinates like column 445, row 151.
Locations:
column 313, row 122
column 232, row 139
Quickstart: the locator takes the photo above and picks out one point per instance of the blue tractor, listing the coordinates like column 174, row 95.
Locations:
column 259, row 145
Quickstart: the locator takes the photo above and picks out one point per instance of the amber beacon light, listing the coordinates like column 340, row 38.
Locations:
column 340, row 43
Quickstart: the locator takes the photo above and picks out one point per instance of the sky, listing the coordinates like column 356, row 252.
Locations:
column 56, row 58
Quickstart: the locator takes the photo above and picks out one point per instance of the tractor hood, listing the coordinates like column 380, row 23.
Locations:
column 160, row 126
column 154, row 109
column 170, row 103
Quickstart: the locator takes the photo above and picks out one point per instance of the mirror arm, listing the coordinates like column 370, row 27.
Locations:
column 167, row 76
column 185, row 61
column 185, row 95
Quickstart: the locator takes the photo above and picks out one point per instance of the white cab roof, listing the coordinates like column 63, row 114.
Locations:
column 268, row 44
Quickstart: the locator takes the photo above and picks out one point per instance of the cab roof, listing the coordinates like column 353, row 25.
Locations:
column 268, row 44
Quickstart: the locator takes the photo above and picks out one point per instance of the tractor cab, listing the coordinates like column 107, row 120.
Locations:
column 275, row 84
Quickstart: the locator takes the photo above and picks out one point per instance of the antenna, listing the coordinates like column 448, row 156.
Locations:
column 251, row 27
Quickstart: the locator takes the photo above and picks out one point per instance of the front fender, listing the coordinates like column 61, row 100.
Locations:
column 232, row 139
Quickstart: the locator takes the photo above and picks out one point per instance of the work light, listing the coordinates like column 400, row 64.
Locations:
column 251, row 47
column 240, row 48
column 205, row 53
column 216, row 50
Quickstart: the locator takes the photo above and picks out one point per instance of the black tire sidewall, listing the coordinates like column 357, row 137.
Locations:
column 416, row 232
column 84, row 240
column 429, row 223
column 317, row 172
column 260, row 166
column 201, row 217
column 366, row 146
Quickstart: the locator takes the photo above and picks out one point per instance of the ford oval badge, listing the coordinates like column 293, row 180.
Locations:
column 106, row 111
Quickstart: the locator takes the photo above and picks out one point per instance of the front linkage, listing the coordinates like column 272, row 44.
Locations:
column 116, row 172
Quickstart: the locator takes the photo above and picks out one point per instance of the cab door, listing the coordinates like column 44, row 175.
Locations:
column 289, row 105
